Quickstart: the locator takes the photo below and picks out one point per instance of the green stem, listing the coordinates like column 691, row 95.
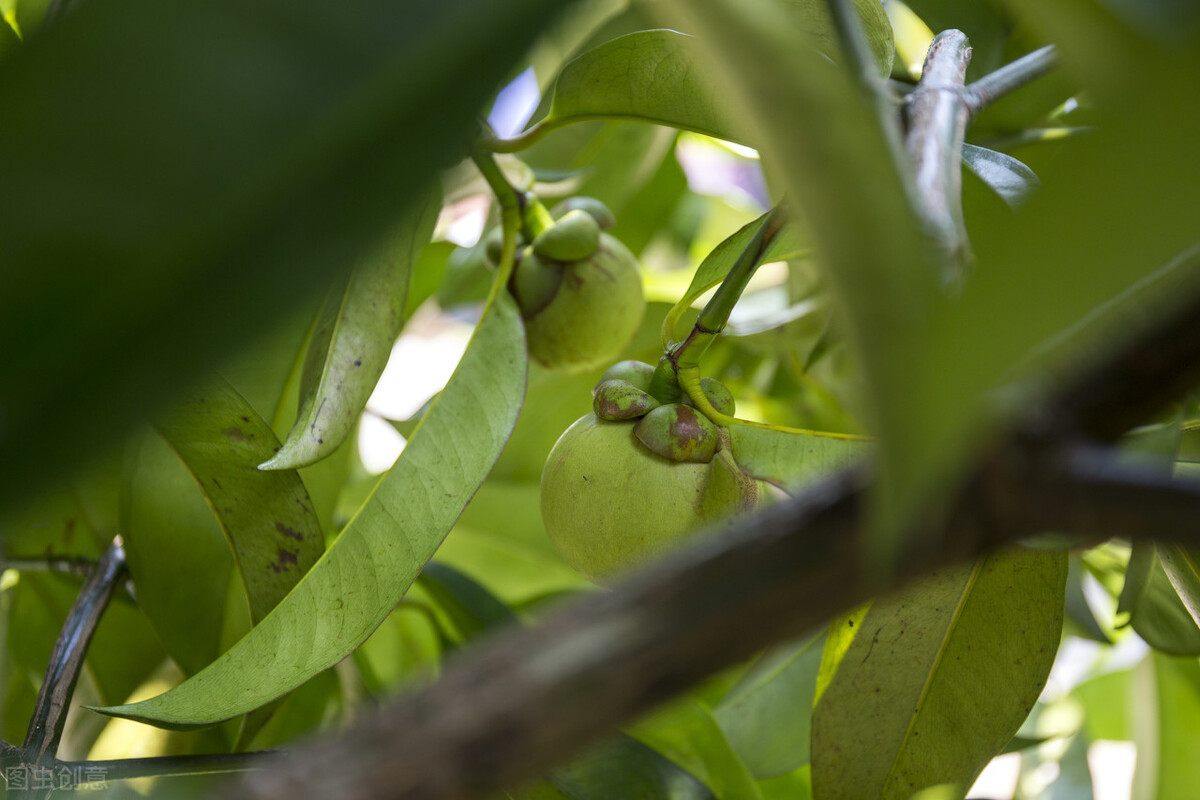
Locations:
column 534, row 216
column 716, row 312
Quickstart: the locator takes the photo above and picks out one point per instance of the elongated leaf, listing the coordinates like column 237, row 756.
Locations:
column 767, row 716
column 1154, row 606
column 178, row 557
column 1006, row 176
column 348, row 355
column 791, row 459
column 1165, row 716
column 686, row 733
column 358, row 582
column 1183, row 569
column 939, row 678
column 163, row 199
column 267, row 517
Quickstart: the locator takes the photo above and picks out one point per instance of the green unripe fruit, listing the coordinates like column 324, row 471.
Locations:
column 576, row 236
column 616, row 399
column 580, row 314
column 596, row 209
column 638, row 373
column 535, row 283
column 679, row 433
column 609, row 503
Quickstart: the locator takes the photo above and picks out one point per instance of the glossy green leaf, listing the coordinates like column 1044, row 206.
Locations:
column 178, row 557
column 353, row 342
column 362, row 576
column 794, row 459
column 1183, row 569
column 1166, row 716
column 767, row 716
column 1155, row 609
column 788, row 243
column 939, row 677
column 660, row 75
column 1005, row 175
column 653, row 76
column 267, row 517
column 164, row 200
column 686, row 733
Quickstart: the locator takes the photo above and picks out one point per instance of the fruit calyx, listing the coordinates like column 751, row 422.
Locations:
column 667, row 423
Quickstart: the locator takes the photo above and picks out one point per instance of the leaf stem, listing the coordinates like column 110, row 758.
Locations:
column 66, row 660
column 1008, row 78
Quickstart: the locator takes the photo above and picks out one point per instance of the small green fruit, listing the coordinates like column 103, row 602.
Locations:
column 638, row 373
column 598, row 211
column 580, row 314
column 679, row 433
column 609, row 503
column 576, row 236
column 616, row 399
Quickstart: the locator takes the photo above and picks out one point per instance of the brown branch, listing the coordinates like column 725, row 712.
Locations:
column 520, row 704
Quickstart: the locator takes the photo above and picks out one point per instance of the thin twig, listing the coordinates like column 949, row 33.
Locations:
column 66, row 660
column 67, row 565
column 1008, row 78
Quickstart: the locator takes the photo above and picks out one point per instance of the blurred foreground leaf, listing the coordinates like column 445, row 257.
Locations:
column 174, row 177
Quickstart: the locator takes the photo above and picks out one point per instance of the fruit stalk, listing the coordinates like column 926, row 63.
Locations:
column 713, row 318
column 534, row 216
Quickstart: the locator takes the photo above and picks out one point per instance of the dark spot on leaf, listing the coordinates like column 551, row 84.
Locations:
column 217, row 483
column 234, row 435
column 286, row 559
column 358, row 362
column 320, row 441
column 245, row 419
column 851, row 623
column 291, row 532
